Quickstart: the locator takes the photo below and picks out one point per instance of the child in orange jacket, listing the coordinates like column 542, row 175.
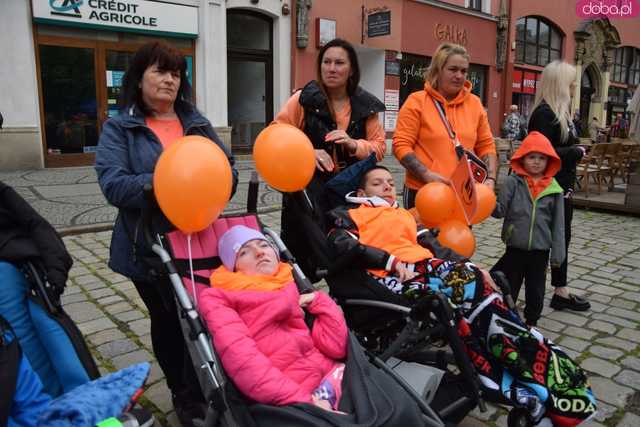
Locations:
column 530, row 201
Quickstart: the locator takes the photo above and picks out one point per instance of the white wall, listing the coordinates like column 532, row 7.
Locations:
column 211, row 50
column 20, row 140
column 372, row 71
column 18, row 84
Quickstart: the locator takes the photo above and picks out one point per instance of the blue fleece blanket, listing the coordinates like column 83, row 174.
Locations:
column 97, row 400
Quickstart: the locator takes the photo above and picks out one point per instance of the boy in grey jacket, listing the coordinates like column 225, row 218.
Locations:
column 530, row 201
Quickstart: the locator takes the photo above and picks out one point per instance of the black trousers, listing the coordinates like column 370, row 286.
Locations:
column 167, row 338
column 559, row 274
column 529, row 267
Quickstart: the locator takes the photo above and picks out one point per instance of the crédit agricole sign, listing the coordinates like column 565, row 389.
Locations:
column 140, row 16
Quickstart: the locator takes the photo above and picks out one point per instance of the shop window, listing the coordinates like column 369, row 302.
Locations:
column 475, row 5
column 537, row 41
column 477, row 75
column 626, row 65
column 80, row 76
column 634, row 72
column 413, row 68
column 69, row 99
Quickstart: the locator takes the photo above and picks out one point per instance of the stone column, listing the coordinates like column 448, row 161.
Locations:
column 575, row 101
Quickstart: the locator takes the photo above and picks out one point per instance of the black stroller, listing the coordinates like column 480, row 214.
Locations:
column 433, row 332
column 422, row 335
column 374, row 394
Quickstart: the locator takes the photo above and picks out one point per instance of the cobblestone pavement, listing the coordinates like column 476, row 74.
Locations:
column 605, row 259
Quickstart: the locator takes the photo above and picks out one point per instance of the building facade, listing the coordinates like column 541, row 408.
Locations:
column 395, row 40
column 67, row 59
column 245, row 57
column 605, row 51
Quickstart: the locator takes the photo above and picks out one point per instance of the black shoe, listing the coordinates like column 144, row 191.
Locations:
column 190, row 412
column 531, row 323
column 574, row 302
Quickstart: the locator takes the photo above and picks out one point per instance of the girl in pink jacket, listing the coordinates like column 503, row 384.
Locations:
column 254, row 313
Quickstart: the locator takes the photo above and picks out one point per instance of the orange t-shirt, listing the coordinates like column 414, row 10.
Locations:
column 292, row 113
column 167, row 131
column 393, row 230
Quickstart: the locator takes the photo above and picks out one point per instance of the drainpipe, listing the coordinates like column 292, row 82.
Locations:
column 508, row 67
column 294, row 53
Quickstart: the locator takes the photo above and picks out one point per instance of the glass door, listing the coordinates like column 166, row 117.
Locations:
column 69, row 99
column 249, row 77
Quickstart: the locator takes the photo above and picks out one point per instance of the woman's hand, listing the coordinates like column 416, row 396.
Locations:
column 489, row 280
column 341, row 137
column 305, row 299
column 324, row 404
column 403, row 273
column 429, row 176
column 324, row 161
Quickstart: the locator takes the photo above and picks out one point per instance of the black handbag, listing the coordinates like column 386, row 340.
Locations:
column 479, row 169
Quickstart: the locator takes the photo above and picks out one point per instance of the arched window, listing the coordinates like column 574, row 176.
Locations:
column 626, row 65
column 537, row 41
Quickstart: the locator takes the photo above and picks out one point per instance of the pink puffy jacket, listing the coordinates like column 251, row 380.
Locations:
column 265, row 346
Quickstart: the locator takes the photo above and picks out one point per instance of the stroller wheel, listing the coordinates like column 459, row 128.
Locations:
column 519, row 417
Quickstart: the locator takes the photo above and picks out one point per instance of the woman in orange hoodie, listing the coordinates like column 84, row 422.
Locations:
column 422, row 143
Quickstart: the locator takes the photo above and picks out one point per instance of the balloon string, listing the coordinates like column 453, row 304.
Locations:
column 193, row 281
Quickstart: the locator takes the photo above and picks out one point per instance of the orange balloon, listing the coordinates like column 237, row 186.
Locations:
column 192, row 183
column 435, row 202
column 486, row 203
column 284, row 157
column 457, row 236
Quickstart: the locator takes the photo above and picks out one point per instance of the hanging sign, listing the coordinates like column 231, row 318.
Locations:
column 379, row 24
column 138, row 16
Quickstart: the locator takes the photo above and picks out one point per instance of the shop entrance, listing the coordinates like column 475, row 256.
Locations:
column 79, row 84
column 249, row 76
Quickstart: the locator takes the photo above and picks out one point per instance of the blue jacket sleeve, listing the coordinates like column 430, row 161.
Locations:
column 120, row 185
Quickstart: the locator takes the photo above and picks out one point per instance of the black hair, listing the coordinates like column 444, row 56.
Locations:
column 354, row 78
column 365, row 175
column 168, row 58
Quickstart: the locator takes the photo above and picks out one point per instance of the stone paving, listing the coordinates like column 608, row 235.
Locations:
column 604, row 256
column 605, row 259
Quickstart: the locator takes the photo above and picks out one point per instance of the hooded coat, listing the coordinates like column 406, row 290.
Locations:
column 263, row 341
column 533, row 220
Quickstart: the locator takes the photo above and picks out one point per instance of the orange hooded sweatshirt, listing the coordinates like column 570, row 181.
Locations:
column 420, row 130
column 538, row 143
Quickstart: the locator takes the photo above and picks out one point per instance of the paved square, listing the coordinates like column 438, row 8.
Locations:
column 605, row 258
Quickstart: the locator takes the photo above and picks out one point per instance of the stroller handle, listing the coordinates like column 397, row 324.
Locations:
column 303, row 282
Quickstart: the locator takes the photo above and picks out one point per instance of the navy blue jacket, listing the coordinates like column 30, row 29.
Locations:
column 125, row 160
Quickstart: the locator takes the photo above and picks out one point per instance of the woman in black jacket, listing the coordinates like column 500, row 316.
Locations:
column 341, row 120
column 552, row 117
